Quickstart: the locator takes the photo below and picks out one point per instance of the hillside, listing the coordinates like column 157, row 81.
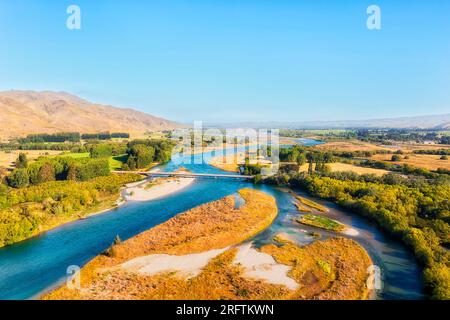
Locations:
column 27, row 112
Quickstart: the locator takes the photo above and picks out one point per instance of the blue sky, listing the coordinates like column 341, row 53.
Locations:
column 229, row 60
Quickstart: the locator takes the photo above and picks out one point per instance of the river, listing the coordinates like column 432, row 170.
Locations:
column 38, row 264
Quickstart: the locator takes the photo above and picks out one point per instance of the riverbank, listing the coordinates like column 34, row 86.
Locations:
column 182, row 257
column 33, row 210
column 80, row 200
column 154, row 189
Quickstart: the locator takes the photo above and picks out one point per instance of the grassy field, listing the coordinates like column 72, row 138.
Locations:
column 356, row 145
column 7, row 159
column 338, row 166
column 76, row 155
column 116, row 162
column 351, row 145
column 321, row 222
column 430, row 162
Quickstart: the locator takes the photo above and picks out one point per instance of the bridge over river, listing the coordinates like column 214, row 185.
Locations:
column 189, row 175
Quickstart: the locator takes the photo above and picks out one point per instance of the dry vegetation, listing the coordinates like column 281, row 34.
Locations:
column 228, row 163
column 26, row 112
column 351, row 145
column 7, row 159
column 338, row 166
column 430, row 162
column 331, row 269
column 356, row 145
column 335, row 268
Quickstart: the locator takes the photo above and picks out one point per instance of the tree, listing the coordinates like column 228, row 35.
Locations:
column 395, row 158
column 310, row 157
column 22, row 161
column 301, row 159
column 18, row 178
column 101, row 150
column 131, row 163
column 142, row 156
column 46, row 173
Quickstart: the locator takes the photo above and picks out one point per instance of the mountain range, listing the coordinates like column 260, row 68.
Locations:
column 28, row 112
column 431, row 122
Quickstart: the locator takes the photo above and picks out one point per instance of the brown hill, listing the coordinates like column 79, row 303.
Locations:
column 27, row 112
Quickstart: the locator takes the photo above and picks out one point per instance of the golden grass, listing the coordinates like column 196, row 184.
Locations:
column 430, row 162
column 338, row 166
column 301, row 207
column 331, row 269
column 350, row 145
column 356, row 145
column 228, row 163
column 7, row 159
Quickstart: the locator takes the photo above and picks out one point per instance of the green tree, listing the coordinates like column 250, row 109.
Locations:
column 310, row 157
column 142, row 155
column 22, row 161
column 101, row 150
column 131, row 163
column 301, row 159
column 18, row 179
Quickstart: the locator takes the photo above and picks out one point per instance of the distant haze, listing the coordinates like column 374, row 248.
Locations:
column 436, row 122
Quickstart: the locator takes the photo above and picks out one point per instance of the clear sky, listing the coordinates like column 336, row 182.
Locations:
column 234, row 60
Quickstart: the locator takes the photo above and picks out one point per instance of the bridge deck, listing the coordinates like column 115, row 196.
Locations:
column 188, row 174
